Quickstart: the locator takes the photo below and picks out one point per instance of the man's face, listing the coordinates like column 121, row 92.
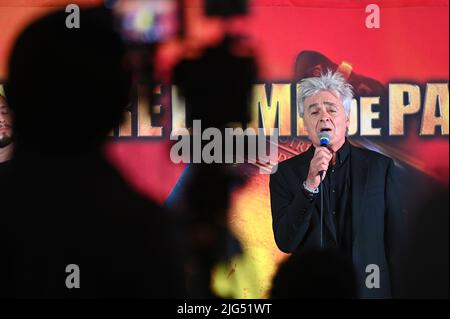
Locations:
column 5, row 123
column 325, row 112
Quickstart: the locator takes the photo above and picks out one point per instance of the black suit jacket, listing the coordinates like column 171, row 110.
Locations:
column 376, row 215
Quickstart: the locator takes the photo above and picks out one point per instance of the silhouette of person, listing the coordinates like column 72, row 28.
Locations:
column 66, row 205
column 315, row 274
column 217, row 88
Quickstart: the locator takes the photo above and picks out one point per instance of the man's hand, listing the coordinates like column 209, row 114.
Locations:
column 320, row 162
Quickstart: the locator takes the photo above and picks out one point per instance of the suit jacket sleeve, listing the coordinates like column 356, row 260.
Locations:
column 291, row 211
column 394, row 230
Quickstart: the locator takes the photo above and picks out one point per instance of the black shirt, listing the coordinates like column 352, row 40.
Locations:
column 337, row 199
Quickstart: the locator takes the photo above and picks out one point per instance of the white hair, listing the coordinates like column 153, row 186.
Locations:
column 331, row 82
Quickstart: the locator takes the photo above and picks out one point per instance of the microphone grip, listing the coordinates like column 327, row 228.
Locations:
column 321, row 173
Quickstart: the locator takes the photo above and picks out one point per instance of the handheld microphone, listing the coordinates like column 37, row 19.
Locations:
column 324, row 138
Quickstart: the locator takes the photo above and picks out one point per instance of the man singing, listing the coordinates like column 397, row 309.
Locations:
column 361, row 208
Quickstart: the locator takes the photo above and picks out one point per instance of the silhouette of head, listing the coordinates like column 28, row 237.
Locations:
column 315, row 275
column 217, row 85
column 67, row 88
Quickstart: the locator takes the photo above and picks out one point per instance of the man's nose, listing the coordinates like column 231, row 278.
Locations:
column 325, row 118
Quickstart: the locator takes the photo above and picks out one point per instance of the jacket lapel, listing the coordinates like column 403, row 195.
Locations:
column 359, row 173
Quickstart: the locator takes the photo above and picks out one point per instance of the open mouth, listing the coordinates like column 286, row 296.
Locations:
column 325, row 130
